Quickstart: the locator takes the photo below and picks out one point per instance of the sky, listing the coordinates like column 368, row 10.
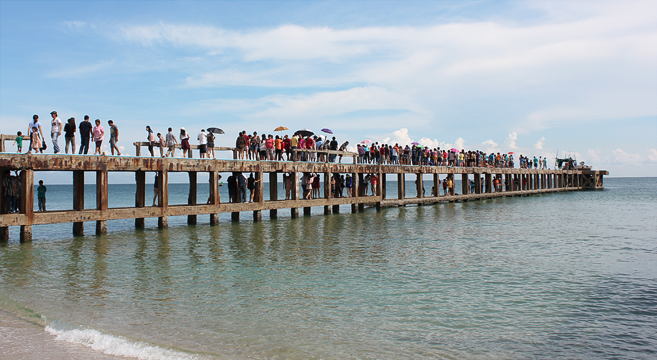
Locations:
column 538, row 78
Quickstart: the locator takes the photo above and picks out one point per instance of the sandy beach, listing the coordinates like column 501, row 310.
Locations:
column 22, row 339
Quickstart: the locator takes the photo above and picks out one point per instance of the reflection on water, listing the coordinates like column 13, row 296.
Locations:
column 500, row 278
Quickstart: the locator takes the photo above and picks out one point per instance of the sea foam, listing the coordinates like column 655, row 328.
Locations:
column 117, row 346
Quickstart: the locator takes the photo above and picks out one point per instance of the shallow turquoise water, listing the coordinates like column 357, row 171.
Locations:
column 569, row 275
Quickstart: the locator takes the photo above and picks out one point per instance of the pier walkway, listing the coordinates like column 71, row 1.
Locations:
column 514, row 182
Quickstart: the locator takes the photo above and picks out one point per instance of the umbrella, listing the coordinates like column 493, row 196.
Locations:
column 281, row 128
column 328, row 131
column 455, row 150
column 304, row 132
column 215, row 130
column 511, row 152
column 415, row 143
column 366, row 141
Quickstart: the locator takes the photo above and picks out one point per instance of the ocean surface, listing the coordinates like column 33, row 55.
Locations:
column 564, row 275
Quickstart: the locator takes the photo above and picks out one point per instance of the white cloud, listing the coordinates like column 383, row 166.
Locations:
column 622, row 157
column 510, row 141
column 400, row 137
column 593, row 156
column 652, row 155
column 539, row 143
column 80, row 71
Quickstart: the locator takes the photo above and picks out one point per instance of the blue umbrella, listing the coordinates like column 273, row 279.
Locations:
column 328, row 131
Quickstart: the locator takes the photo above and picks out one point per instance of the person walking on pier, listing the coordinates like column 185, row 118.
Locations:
column 86, row 132
column 41, row 196
column 34, row 124
column 171, row 143
column 69, row 135
column 184, row 142
column 19, row 142
column 55, row 131
column 114, row 137
column 210, row 146
column 150, row 136
column 35, row 142
column 202, row 143
column 99, row 133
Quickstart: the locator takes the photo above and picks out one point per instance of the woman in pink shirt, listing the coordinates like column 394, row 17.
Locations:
column 98, row 132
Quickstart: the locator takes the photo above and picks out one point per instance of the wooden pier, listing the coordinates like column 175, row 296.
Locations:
column 515, row 182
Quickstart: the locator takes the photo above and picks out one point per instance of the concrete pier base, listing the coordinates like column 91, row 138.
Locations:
column 214, row 219
column 235, row 216
column 354, row 208
column 257, row 215
column 306, row 211
column 273, row 214
column 294, row 212
column 163, row 222
column 26, row 233
column 191, row 219
column 327, row 209
column 101, row 227
column 336, row 209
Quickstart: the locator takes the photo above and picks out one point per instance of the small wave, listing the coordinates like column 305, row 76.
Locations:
column 117, row 346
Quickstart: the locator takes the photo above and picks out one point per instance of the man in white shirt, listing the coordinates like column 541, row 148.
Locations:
column 202, row 143
column 55, row 131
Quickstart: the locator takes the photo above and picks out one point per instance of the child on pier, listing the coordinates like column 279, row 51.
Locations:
column 19, row 141
column 35, row 141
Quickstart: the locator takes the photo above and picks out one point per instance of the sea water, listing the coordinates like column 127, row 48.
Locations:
column 570, row 275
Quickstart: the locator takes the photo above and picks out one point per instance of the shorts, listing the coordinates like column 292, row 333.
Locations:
column 203, row 148
column 112, row 141
column 210, row 144
column 99, row 144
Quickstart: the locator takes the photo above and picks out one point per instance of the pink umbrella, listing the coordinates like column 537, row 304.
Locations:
column 455, row 150
column 415, row 143
column 366, row 141
column 511, row 152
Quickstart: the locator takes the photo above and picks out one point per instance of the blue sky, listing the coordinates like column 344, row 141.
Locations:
column 533, row 77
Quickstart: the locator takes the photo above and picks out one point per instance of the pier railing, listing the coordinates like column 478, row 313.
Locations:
column 476, row 183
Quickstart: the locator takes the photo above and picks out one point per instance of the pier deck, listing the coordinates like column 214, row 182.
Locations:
column 515, row 182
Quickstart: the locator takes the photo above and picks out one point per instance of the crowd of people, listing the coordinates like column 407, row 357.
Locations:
column 266, row 147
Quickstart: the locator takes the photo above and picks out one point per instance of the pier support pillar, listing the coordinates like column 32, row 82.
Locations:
column 191, row 198
column 214, row 198
column 27, row 203
column 488, row 186
column 306, row 210
column 26, row 233
column 419, row 185
column 101, row 200
column 140, row 195
column 163, row 198
column 273, row 193
column 78, row 200
column 465, row 184
column 361, row 207
column 235, row 216
column 336, row 209
column 4, row 234
column 328, row 193
column 295, row 193
column 361, row 186
column 401, row 186
column 477, row 181
column 436, row 186
column 382, row 180
column 259, row 195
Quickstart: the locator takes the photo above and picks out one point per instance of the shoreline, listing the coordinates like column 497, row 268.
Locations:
column 23, row 339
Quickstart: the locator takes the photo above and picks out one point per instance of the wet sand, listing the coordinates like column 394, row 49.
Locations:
column 21, row 339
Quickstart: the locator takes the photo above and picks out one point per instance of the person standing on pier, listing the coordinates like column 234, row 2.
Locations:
column 240, row 181
column 202, row 143
column 210, row 145
column 184, row 142
column 156, row 188
column 99, row 133
column 343, row 147
column 41, row 196
column 171, row 143
column 86, row 131
column 150, row 136
column 55, row 131
column 114, row 137
column 19, row 142
column 69, row 135
column 334, row 147
column 34, row 123
column 240, row 144
column 35, row 143
column 252, row 186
